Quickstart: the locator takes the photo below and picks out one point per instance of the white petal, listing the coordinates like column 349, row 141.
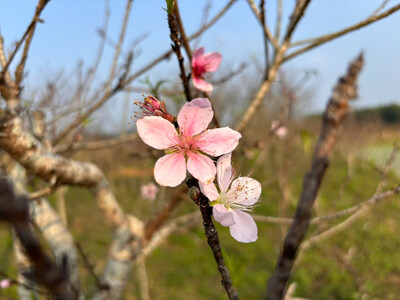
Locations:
column 224, row 172
column 245, row 190
column 223, row 215
column 245, row 229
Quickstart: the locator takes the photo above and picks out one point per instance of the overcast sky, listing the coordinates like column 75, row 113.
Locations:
column 69, row 35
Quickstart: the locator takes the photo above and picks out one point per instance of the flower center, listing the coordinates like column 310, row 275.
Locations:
column 236, row 198
column 186, row 144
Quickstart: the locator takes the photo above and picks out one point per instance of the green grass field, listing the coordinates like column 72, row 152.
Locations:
column 361, row 262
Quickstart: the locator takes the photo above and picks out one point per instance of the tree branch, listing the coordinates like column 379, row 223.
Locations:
column 334, row 116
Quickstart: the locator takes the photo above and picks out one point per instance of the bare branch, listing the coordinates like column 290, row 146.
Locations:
column 331, row 217
column 334, row 116
column 28, row 36
column 278, row 19
column 265, row 28
column 120, row 42
column 296, row 16
column 315, row 42
column 195, row 35
column 176, row 47
column 96, row 145
column 360, row 210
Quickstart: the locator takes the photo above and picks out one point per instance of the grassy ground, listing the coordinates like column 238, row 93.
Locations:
column 361, row 262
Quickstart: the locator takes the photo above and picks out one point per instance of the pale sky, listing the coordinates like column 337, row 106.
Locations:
column 69, row 35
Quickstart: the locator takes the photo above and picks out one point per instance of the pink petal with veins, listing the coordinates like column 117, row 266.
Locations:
column 195, row 116
column 201, row 84
column 219, row 141
column 170, row 170
column 201, row 167
column 157, row 132
column 211, row 61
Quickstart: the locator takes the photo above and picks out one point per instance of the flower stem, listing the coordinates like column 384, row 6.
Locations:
column 212, row 238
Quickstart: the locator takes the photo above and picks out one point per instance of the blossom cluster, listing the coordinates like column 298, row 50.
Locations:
column 188, row 146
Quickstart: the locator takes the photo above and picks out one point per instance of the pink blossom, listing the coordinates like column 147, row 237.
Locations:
column 5, row 283
column 279, row 130
column 149, row 191
column 202, row 64
column 185, row 147
column 231, row 204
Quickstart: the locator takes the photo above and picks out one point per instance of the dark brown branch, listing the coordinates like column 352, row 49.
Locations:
column 335, row 114
column 15, row 210
column 176, row 47
column 212, row 236
column 182, row 32
column 17, row 282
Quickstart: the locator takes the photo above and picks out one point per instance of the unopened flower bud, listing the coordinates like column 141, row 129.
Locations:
column 194, row 194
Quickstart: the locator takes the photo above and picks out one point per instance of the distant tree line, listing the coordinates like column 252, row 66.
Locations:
column 388, row 114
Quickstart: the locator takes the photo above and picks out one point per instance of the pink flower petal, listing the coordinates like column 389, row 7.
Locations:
column 201, row 167
column 157, row 132
column 223, row 215
column 201, row 84
column 170, row 170
column 224, row 172
column 209, row 190
column 196, row 55
column 219, row 141
column 212, row 61
column 245, row 229
column 245, row 190
column 195, row 116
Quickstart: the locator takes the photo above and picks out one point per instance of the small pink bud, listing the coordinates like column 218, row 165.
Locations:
column 153, row 107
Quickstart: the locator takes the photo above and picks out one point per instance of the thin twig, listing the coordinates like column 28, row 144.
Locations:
column 164, row 214
column 195, row 35
column 28, row 36
column 315, row 42
column 16, row 282
column 264, row 27
column 90, row 267
column 96, row 145
column 334, row 116
column 278, row 19
column 295, row 18
column 360, row 211
column 331, row 217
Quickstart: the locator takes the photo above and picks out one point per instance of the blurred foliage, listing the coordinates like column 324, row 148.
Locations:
column 358, row 263
column 388, row 114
